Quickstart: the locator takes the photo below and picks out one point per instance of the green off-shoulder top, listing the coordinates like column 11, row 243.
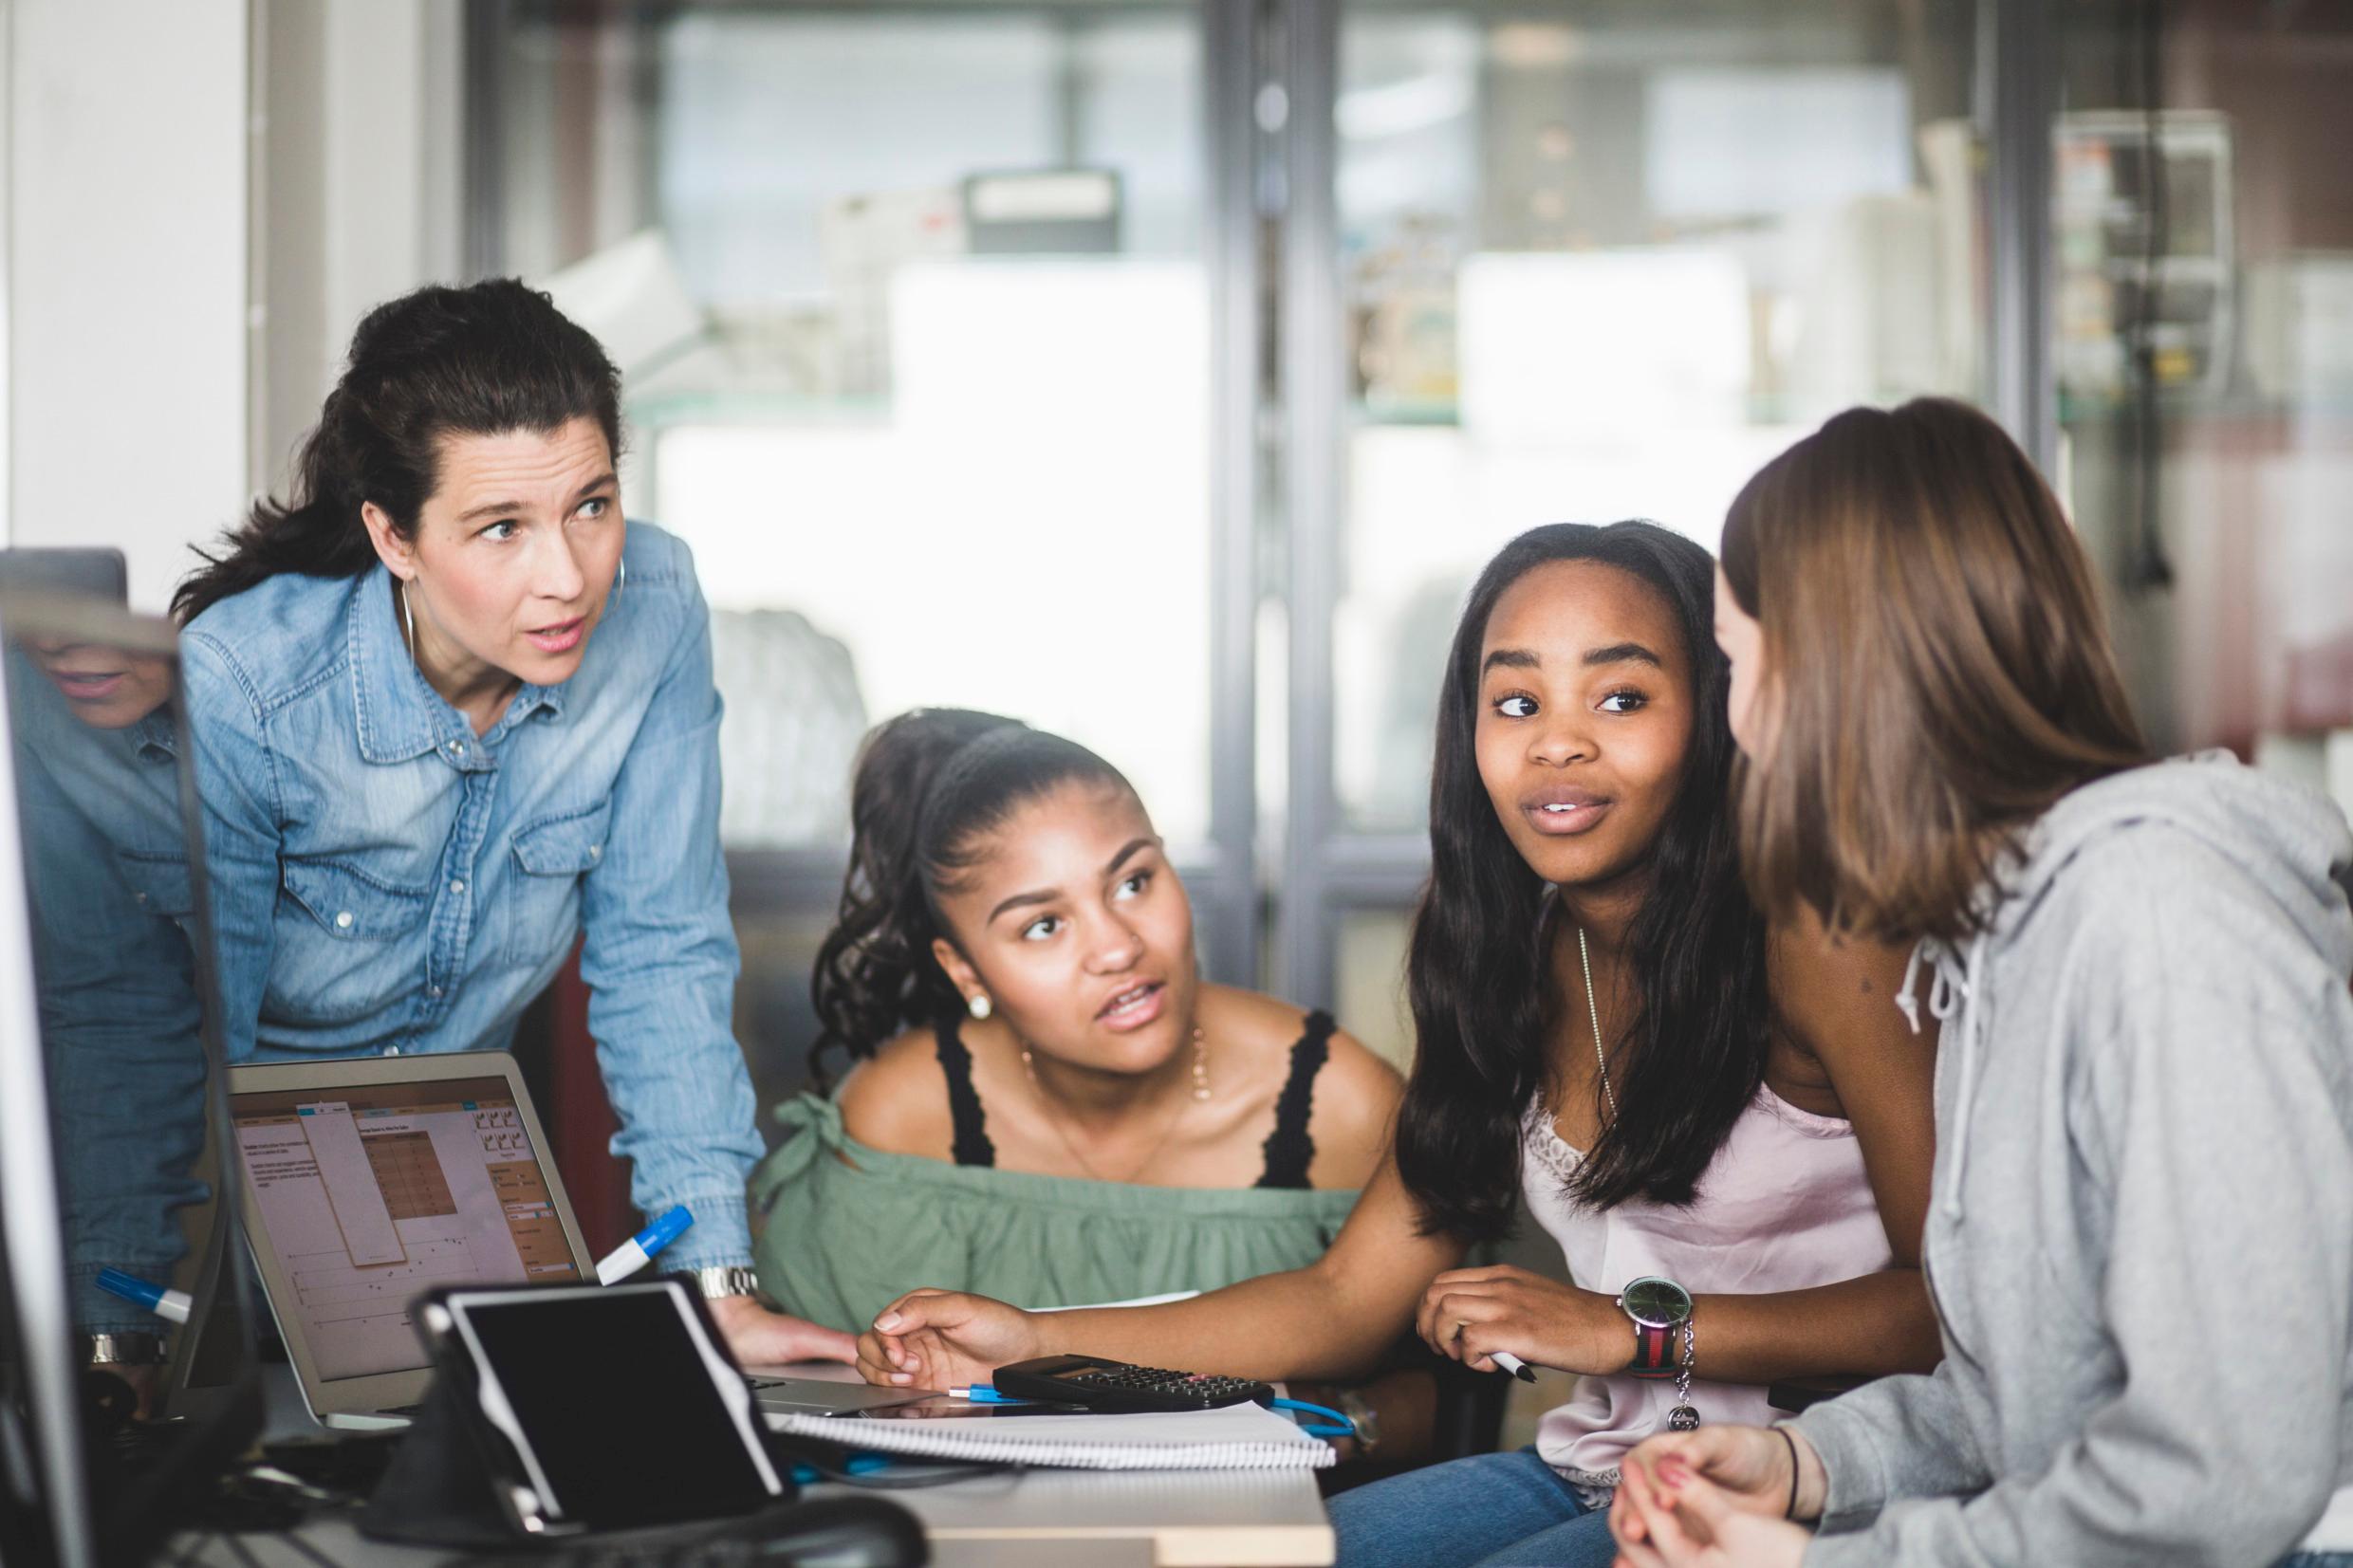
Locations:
column 849, row 1228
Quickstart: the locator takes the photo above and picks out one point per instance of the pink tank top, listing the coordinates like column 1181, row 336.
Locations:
column 1785, row 1205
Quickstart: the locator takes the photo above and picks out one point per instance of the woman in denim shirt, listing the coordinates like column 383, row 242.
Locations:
column 452, row 711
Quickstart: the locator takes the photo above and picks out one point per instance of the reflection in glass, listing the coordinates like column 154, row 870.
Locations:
column 95, row 765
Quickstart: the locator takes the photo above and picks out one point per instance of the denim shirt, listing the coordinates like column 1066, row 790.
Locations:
column 106, row 871
column 385, row 880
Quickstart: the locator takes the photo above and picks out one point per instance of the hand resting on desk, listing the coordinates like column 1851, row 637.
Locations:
column 940, row 1338
column 763, row 1338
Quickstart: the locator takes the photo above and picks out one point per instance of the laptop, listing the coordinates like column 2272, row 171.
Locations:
column 371, row 1179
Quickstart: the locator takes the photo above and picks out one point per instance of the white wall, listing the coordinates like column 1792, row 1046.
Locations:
column 126, row 277
column 359, row 189
column 203, row 197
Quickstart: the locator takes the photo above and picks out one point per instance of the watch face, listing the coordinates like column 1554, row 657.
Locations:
column 1656, row 1303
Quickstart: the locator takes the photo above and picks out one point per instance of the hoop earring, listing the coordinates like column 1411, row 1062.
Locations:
column 620, row 580
column 408, row 621
column 980, row 1006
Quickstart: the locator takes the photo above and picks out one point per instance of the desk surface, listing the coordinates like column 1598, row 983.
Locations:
column 1179, row 1519
column 1042, row 1519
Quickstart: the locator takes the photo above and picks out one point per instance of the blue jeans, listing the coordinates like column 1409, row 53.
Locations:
column 1492, row 1510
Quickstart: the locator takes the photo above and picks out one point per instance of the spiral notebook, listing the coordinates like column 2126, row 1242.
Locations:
column 1238, row 1437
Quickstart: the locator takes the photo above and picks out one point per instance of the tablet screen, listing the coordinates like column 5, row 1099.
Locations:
column 619, row 1405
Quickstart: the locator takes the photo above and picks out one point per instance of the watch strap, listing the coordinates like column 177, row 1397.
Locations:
column 712, row 1283
column 1654, row 1351
column 132, row 1349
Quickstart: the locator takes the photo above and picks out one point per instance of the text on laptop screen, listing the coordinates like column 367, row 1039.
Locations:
column 372, row 1193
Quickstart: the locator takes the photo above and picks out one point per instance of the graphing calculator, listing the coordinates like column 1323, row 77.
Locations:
column 1116, row 1386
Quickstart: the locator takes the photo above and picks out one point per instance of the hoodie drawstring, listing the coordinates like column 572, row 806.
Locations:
column 1953, row 992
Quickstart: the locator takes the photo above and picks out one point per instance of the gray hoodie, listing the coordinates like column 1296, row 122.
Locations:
column 2141, row 1229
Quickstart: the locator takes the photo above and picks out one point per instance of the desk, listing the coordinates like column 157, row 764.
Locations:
column 1043, row 1519
column 1179, row 1519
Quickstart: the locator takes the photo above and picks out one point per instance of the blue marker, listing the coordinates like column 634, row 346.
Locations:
column 981, row 1393
column 170, row 1304
column 638, row 1250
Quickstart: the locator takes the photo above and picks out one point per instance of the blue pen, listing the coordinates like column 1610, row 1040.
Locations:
column 981, row 1393
column 169, row 1304
column 638, row 1250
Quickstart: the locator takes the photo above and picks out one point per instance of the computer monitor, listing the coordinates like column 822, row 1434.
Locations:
column 113, row 1112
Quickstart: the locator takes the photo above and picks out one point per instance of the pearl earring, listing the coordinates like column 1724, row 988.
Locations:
column 980, row 1006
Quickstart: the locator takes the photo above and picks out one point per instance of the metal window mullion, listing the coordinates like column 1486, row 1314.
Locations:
column 483, row 50
column 1229, row 86
column 1313, row 386
column 2015, row 59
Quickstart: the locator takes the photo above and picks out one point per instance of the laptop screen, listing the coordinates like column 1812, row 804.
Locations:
column 368, row 1193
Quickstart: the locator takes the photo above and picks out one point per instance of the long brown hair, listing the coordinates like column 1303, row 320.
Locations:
column 1939, row 669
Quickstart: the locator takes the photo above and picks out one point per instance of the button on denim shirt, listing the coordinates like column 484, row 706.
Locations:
column 385, row 880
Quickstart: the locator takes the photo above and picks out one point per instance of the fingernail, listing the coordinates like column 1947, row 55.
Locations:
column 1674, row 1468
column 902, row 1377
column 888, row 1321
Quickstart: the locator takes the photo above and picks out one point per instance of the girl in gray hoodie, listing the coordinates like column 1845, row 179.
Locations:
column 2141, row 1235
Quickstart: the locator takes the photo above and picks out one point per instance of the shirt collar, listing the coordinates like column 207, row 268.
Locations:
column 156, row 736
column 399, row 714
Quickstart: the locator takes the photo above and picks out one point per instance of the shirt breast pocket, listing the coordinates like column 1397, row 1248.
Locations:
column 552, row 855
column 158, row 882
column 345, row 941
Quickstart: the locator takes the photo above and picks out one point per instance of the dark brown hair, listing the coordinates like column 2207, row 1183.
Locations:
column 930, row 784
column 1938, row 669
column 484, row 359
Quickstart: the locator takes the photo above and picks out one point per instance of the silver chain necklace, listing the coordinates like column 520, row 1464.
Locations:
column 1593, row 1010
column 1684, row 1417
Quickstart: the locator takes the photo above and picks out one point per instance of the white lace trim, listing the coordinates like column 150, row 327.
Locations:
column 1594, row 1488
column 1550, row 1150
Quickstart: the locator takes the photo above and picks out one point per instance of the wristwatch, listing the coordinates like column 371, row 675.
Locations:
column 1658, row 1307
column 712, row 1283
column 132, row 1348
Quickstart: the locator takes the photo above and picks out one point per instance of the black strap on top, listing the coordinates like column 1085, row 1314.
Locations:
column 972, row 1132
column 1290, row 1149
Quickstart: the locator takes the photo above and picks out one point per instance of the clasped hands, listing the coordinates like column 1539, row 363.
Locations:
column 1720, row 1497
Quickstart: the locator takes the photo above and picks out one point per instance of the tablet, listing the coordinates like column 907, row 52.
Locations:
column 604, row 1408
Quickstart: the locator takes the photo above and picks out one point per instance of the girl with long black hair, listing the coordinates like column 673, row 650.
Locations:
column 1725, row 1127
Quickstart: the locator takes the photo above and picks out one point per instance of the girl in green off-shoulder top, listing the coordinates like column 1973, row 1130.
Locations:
column 1048, row 1105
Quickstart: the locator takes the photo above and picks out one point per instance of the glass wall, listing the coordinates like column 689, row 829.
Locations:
column 1602, row 261
column 936, row 318
column 2204, row 356
column 1598, row 261
column 920, row 334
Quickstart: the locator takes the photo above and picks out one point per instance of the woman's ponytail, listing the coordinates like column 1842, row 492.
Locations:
column 930, row 784
column 316, row 531
column 876, row 974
